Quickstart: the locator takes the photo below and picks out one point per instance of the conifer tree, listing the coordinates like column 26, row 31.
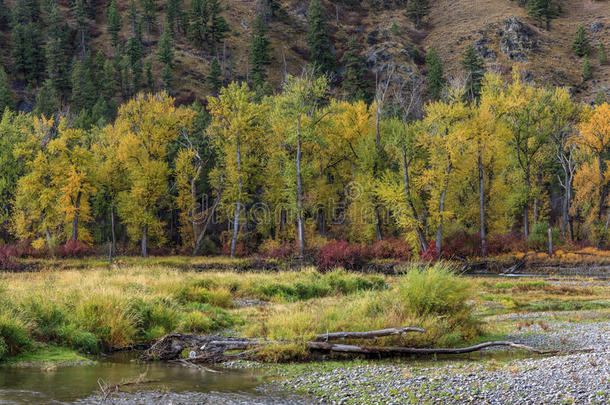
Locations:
column 543, row 11
column 215, row 76
column 133, row 17
column 581, row 42
column 134, row 54
column 318, row 40
column 79, row 14
column 149, row 15
column 600, row 97
column 602, row 57
column 436, row 79
column 417, row 10
column 26, row 40
column 199, row 20
column 6, row 95
column 114, row 24
column 83, row 87
column 150, row 80
column 587, row 70
column 173, row 15
column 259, row 52
column 57, row 51
column 356, row 85
column 474, row 67
column 47, row 100
column 218, row 25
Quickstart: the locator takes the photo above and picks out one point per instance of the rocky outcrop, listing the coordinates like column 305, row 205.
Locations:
column 516, row 39
column 483, row 50
column 596, row 26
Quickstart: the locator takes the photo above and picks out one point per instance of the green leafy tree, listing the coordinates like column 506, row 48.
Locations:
column 581, row 42
column 318, row 39
column 215, row 76
column 436, row 79
column 114, row 24
column 587, row 70
column 259, row 52
column 417, row 10
column 474, row 66
column 356, row 84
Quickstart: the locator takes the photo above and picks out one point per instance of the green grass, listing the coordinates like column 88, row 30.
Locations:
column 47, row 354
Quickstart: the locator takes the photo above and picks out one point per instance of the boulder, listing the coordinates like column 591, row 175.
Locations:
column 483, row 50
column 516, row 39
column 596, row 26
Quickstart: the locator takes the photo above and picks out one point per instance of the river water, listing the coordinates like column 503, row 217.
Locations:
column 173, row 384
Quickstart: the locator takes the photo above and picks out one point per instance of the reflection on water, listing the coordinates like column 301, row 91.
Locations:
column 35, row 385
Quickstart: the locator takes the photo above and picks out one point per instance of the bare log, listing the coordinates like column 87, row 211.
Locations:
column 373, row 334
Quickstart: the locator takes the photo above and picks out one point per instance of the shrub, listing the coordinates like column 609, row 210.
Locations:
column 13, row 336
column 435, row 290
column 343, row 254
column 273, row 249
column 7, row 259
column 430, row 254
column 393, row 248
column 539, row 236
column 506, row 243
column 74, row 249
column 195, row 321
column 460, row 244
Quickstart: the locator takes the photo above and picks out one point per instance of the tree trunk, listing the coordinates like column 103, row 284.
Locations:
column 482, row 207
column 75, row 219
column 112, row 230
column 526, row 219
column 301, row 229
column 421, row 236
column 145, row 241
column 537, row 199
column 441, row 208
column 237, row 208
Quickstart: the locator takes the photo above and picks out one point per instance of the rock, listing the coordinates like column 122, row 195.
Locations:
column 516, row 39
column 596, row 26
column 483, row 50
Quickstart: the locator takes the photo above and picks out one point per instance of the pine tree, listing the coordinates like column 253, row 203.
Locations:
column 356, row 85
column 150, row 80
column 436, row 79
column 134, row 53
column 581, row 42
column 474, row 66
column 542, row 11
column 133, row 17
column 215, row 76
column 173, row 15
column 149, row 15
column 587, row 70
column 79, row 13
column 218, row 25
column 83, row 87
column 57, row 51
column 166, row 57
column 47, row 99
column 318, row 40
column 600, row 97
column 199, row 20
column 114, row 25
column 26, row 40
column 100, row 113
column 417, row 10
column 259, row 52
column 602, row 57
column 6, row 95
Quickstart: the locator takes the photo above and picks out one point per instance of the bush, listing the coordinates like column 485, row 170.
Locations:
column 460, row 244
column 506, row 243
column 435, row 290
column 350, row 256
column 7, row 259
column 74, row 249
column 539, row 237
column 393, row 248
column 13, row 336
column 273, row 249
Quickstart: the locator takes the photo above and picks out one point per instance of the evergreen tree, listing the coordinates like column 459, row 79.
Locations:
column 417, row 10
column 57, row 50
column 602, row 57
column 5, row 15
column 149, row 15
column 134, row 53
column 114, row 24
column 474, row 66
column 100, row 113
column 215, row 76
column 83, row 88
column 581, row 42
column 79, row 14
column 47, row 99
column 132, row 17
column 173, row 15
column 6, row 95
column 218, row 25
column 542, row 11
column 259, row 52
column 600, row 97
column 166, row 57
column 356, row 85
column 26, row 40
column 587, row 70
column 318, row 40
column 436, row 79
column 110, row 77
column 150, row 80
column 198, row 27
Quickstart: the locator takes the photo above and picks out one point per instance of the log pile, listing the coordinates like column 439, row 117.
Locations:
column 213, row 349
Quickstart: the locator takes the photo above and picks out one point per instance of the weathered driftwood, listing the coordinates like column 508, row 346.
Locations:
column 373, row 334
column 212, row 349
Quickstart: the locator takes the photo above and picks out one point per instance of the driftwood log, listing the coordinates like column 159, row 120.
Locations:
column 213, row 349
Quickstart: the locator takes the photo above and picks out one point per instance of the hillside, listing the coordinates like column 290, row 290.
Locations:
column 388, row 35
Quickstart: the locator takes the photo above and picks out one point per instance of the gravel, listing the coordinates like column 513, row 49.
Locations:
column 580, row 378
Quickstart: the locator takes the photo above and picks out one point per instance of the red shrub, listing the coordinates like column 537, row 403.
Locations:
column 430, row 255
column 461, row 245
column 241, row 249
column 393, row 248
column 506, row 243
column 336, row 253
column 7, row 259
column 75, row 249
column 285, row 251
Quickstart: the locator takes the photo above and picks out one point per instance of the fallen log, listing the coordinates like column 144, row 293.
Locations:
column 373, row 334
